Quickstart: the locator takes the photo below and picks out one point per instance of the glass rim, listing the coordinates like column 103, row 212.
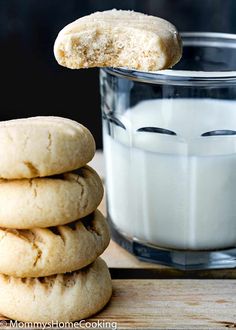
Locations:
column 186, row 77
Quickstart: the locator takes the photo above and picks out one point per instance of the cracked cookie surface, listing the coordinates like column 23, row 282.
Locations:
column 54, row 250
column 51, row 201
column 65, row 297
column 118, row 38
column 43, row 146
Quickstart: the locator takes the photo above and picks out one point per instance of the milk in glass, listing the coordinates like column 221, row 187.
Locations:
column 174, row 191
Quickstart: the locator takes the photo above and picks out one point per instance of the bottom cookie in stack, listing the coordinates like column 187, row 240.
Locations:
column 29, row 257
column 65, row 297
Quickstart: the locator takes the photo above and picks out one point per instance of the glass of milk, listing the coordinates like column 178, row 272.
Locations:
column 170, row 152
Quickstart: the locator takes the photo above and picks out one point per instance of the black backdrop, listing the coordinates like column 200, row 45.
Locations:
column 32, row 83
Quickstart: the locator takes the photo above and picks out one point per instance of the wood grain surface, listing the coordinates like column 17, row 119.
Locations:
column 172, row 304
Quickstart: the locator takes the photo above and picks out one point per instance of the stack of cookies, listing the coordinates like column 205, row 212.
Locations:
column 50, row 231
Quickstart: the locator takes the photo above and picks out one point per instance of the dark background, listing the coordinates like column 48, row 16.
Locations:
column 32, row 83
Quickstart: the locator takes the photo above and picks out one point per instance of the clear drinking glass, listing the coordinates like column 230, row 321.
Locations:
column 170, row 153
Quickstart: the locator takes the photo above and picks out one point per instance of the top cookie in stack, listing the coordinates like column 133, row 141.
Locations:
column 43, row 146
column 50, row 231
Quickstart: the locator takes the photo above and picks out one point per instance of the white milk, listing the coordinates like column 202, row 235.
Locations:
column 174, row 191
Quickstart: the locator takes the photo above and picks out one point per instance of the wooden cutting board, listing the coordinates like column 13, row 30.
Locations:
column 172, row 304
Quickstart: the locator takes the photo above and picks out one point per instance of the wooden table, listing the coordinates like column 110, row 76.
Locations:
column 150, row 296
